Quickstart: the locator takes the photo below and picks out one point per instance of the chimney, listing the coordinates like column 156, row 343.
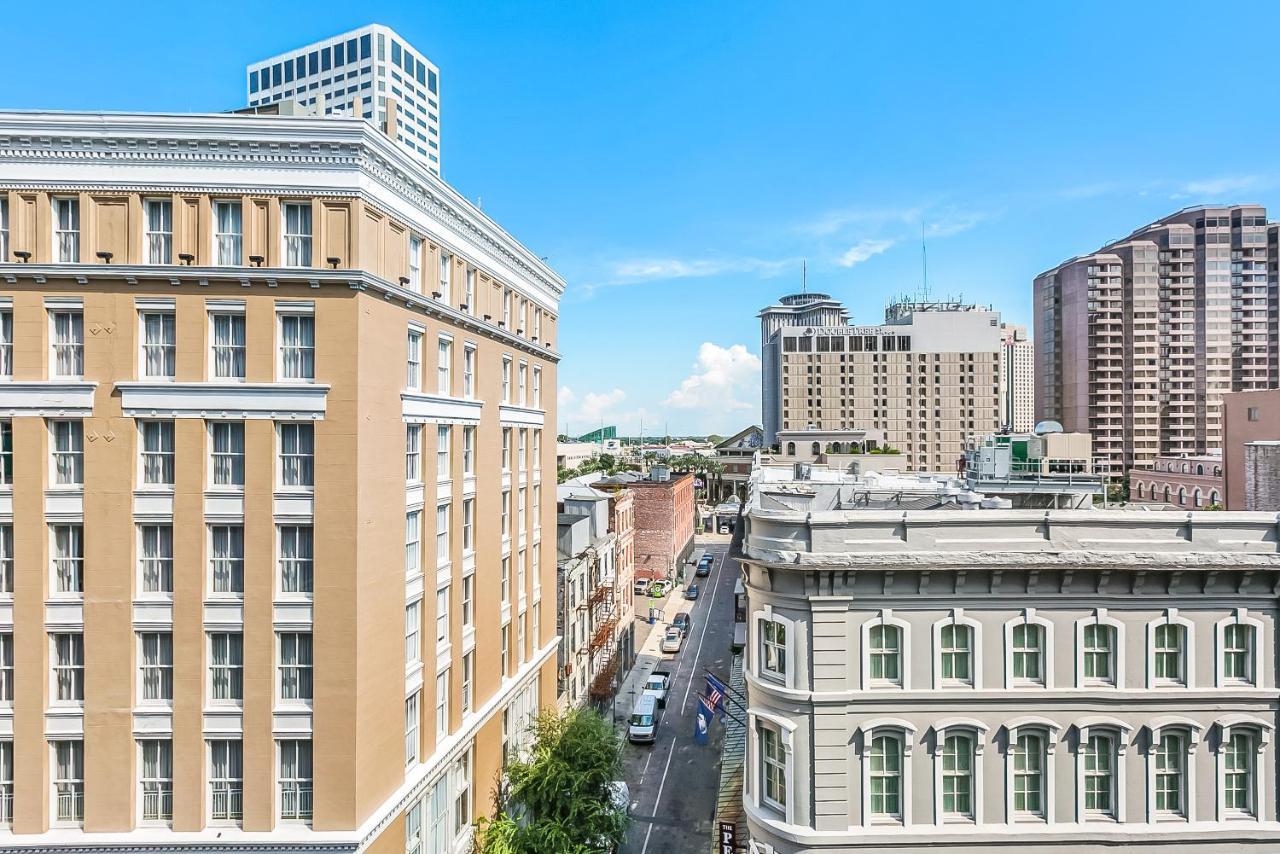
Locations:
column 393, row 118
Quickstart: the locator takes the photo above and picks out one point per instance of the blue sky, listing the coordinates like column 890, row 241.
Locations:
column 676, row 161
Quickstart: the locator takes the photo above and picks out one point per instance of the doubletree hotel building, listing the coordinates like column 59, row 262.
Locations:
column 272, row 561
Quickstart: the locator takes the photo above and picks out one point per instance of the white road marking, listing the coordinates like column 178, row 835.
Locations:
column 645, row 770
column 706, row 618
column 658, row 800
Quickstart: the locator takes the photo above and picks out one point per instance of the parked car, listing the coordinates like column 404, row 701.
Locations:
column 724, row 528
column 640, row 586
column 683, row 622
column 691, row 592
column 703, row 570
column 659, row 588
column 656, row 686
column 672, row 641
column 643, row 726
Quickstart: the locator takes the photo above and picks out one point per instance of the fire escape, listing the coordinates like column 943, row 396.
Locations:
column 604, row 640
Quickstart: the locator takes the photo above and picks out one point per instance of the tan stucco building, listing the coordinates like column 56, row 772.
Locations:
column 272, row 551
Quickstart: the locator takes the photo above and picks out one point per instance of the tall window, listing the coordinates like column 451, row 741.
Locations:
column 505, row 648
column 297, row 455
column 506, row 449
column 297, row 561
column 6, row 670
column 1028, row 775
column 227, row 453
column 228, row 346
column 468, row 372
column 68, row 343
column 6, row 782
column 957, row 776
column 886, row 654
column 6, row 453
column 413, row 361
column 956, row 653
column 506, row 379
column 1168, row 652
column 886, row 776
column 412, row 540
column 773, row 648
column 522, row 454
column 66, row 230
column 295, row 779
column 442, row 616
column 413, row 632
column 159, row 345
column 1098, row 653
column 68, row 453
column 1237, row 652
column 157, row 453
column 1237, row 770
column 158, row 233
column 411, row 718
column 297, row 234
column 156, row 779
column 68, row 558
column 468, row 451
column 226, row 559
column 226, row 666
column 1099, row 775
column 413, row 453
column 442, row 704
column 505, row 580
column 469, row 292
column 506, row 513
column 468, row 525
column 537, row 451
column 506, row 308
column 443, row 437
column 520, row 509
column 156, row 558
column 446, row 267
column 444, row 367
column 468, row 601
column 68, row 667
column 415, row 263
column 442, row 533
column 226, row 780
column 1170, row 758
column 295, row 665
column 68, row 781
column 228, row 233
column 1027, row 653
column 297, row 346
column 773, row 768
column 468, row 681
column 6, row 342
column 537, row 388
column 522, row 388
column 4, row 244
column 156, row 671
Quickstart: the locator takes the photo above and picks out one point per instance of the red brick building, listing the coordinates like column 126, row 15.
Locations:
column 665, row 515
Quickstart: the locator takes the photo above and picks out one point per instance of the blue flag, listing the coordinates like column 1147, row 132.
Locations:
column 716, row 692
column 702, row 723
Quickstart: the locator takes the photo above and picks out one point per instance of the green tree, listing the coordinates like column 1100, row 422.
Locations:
column 559, row 799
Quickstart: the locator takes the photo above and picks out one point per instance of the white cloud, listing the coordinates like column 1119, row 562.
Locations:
column 951, row 223
column 720, row 376
column 1223, row 186
column 638, row 270
column 862, row 251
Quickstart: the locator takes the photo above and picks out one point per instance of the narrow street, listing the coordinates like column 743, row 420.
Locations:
column 674, row 781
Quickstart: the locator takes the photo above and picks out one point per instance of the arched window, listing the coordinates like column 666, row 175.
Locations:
column 1098, row 641
column 885, row 777
column 1182, row 496
column 1213, row 497
column 791, row 449
column 885, row 655
column 1167, row 490
column 816, row 448
column 1171, row 748
column 1197, row 498
column 1099, row 767
column 1142, row 490
column 1241, row 741
column 1199, row 468
column 1169, row 657
column 1028, row 774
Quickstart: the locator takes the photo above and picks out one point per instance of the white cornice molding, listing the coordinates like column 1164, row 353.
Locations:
column 275, row 401
column 53, row 398
column 261, row 154
column 521, row 415
column 960, row 560
column 271, row 277
column 420, row 408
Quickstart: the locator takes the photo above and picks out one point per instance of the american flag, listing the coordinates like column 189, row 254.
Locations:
column 715, row 692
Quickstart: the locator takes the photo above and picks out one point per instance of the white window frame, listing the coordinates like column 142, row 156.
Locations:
column 468, row 451
column 225, row 787
column 1048, row 732
column 413, row 359
column 758, row 619
column 444, row 533
column 444, row 453
column 297, row 665
column 160, row 667
column 413, row 633
column 903, row 682
column 74, row 784
column 1189, row 731
column 157, row 245
column 296, row 243
column 958, row 618
column 1259, row 733
column 412, row 729
column 1117, row 652
column 442, row 704
column 976, row 732
column 304, row 567
column 413, row 454
column 230, row 668
column 72, row 667
column 303, row 314
column 786, row 730
column 168, row 349
column 231, row 560
column 77, row 562
column 506, row 379
column 468, row 303
column 76, row 349
column 444, row 366
column 468, row 605
column 536, row 399
column 300, row 427
column 155, row 785
column 235, row 316
column 1257, row 660
column 1118, row 732
column 214, row 427
column 415, row 263
column 905, row 734
column 164, row 564
column 1029, row 617
column 469, row 371
column 228, row 240
column 6, row 341
column 412, row 543
column 302, row 786
column 444, row 275
column 1186, row 634
column 70, row 234
column 160, row 455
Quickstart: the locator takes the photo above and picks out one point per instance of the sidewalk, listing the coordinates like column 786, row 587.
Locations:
column 648, row 657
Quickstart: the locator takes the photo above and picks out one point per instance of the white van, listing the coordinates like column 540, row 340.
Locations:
column 643, row 727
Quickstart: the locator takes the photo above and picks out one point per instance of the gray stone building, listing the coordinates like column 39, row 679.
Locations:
column 991, row 679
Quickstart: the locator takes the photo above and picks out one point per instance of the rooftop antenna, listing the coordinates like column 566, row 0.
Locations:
column 804, row 275
column 924, row 264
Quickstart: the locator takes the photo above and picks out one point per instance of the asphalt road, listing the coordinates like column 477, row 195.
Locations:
column 674, row 781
